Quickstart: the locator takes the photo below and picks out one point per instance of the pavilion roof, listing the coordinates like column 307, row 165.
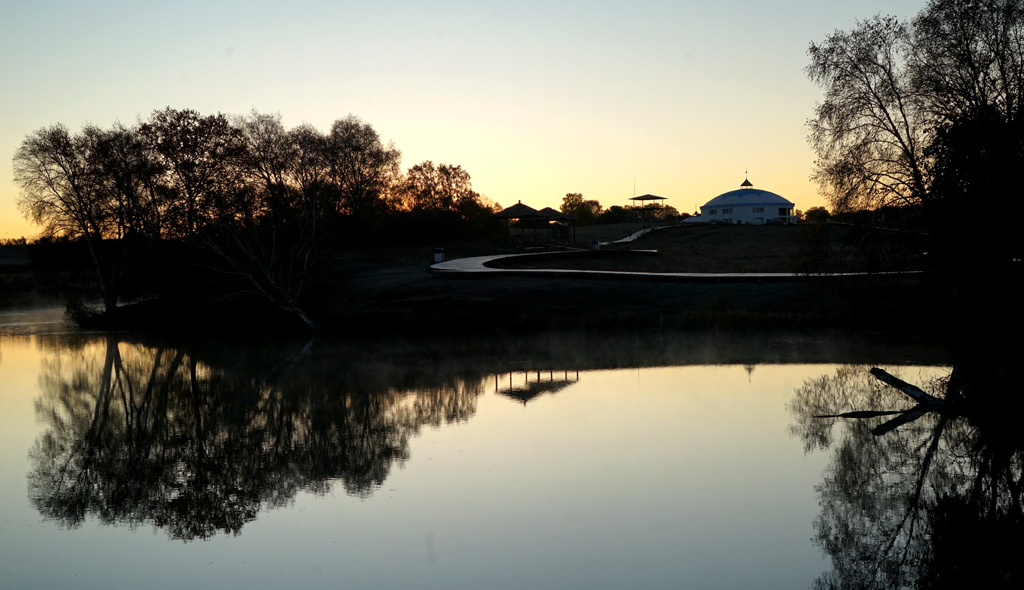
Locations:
column 549, row 213
column 517, row 211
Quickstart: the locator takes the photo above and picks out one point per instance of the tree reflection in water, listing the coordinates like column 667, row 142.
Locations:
column 931, row 499
column 142, row 435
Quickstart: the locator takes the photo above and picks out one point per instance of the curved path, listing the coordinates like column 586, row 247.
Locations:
column 478, row 265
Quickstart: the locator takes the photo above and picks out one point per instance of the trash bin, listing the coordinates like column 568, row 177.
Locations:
column 438, row 255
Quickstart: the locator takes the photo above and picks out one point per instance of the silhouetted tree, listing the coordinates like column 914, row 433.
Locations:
column 871, row 130
column 444, row 187
column 62, row 189
column 583, row 211
column 925, row 113
column 364, row 171
column 243, row 199
column 615, row 214
column 130, row 175
column 816, row 214
column 665, row 213
column 198, row 154
column 271, row 247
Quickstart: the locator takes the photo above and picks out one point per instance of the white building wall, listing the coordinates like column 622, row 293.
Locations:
column 747, row 214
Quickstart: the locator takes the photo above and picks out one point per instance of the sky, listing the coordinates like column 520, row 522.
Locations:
column 534, row 99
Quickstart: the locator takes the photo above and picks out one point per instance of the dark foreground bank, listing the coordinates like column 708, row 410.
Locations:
column 394, row 292
column 411, row 299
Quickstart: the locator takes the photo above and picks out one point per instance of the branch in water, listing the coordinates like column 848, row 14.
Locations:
column 912, row 390
column 861, row 414
column 908, row 416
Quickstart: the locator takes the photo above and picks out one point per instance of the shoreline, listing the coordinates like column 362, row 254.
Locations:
column 665, row 285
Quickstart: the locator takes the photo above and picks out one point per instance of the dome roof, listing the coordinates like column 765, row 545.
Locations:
column 748, row 196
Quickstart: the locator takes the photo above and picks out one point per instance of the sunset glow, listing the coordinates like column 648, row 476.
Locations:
column 533, row 99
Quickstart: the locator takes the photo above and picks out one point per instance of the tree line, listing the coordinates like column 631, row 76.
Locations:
column 590, row 212
column 259, row 200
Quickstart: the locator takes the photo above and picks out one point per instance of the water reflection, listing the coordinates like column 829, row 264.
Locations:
column 928, row 499
column 543, row 383
column 139, row 434
column 678, row 472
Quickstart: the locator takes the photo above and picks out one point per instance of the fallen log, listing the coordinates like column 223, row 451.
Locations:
column 925, row 403
column 913, row 391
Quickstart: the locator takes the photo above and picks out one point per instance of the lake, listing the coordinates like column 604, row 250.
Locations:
column 642, row 460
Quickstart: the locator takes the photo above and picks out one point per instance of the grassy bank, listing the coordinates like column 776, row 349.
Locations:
column 750, row 249
column 390, row 298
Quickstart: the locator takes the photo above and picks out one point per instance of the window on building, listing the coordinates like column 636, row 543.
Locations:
column 758, row 209
column 712, row 211
column 726, row 211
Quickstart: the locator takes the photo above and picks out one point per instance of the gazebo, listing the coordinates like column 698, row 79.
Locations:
column 517, row 211
column 643, row 200
column 520, row 211
column 553, row 215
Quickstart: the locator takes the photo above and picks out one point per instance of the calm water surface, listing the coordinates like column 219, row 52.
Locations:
column 554, row 462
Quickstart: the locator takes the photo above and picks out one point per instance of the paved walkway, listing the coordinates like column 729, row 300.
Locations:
column 636, row 235
column 477, row 265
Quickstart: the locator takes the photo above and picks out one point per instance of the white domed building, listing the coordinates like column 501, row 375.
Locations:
column 747, row 205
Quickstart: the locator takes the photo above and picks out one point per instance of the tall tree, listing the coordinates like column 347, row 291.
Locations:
column 61, row 191
column 928, row 114
column 443, row 187
column 199, row 155
column 364, row 170
column 271, row 248
column 58, row 187
column 870, row 131
column 893, row 91
column 129, row 176
column 585, row 212
column 968, row 58
column 310, row 165
column 267, row 157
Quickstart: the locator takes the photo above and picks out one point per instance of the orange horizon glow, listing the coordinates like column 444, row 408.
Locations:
column 534, row 100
